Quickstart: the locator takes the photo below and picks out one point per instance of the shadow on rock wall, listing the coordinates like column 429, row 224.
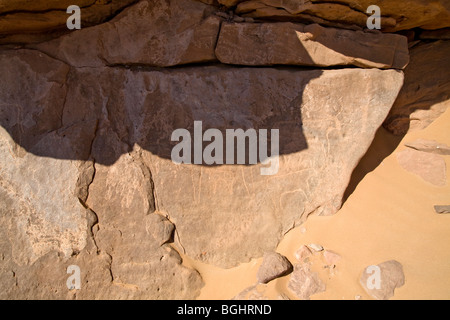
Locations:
column 53, row 111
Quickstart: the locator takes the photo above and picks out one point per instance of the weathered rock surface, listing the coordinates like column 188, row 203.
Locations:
column 140, row 35
column 122, row 258
column 223, row 214
column 391, row 278
column 429, row 146
column 42, row 212
column 304, row 282
column 426, row 92
column 26, row 21
column 34, row 21
column 397, row 15
column 430, row 167
column 245, row 204
column 49, row 196
column 256, row 44
column 141, row 265
column 274, row 265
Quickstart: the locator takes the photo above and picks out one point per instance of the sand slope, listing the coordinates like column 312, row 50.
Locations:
column 390, row 215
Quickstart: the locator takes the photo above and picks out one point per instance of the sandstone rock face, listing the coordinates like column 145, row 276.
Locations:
column 34, row 21
column 190, row 39
column 311, row 45
column 26, row 21
column 397, row 15
column 216, row 209
column 108, row 112
column 48, row 209
column 274, row 265
column 51, row 202
column 426, row 92
column 133, row 236
column 391, row 278
column 440, row 34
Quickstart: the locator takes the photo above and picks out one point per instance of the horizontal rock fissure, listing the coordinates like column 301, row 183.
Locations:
column 145, row 67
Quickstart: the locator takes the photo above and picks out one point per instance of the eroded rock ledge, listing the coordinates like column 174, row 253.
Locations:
column 397, row 15
column 24, row 21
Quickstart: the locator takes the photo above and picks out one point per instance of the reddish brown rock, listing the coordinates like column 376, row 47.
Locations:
column 274, row 265
column 426, row 92
column 440, row 34
column 140, row 35
column 308, row 45
column 396, row 15
column 26, row 21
